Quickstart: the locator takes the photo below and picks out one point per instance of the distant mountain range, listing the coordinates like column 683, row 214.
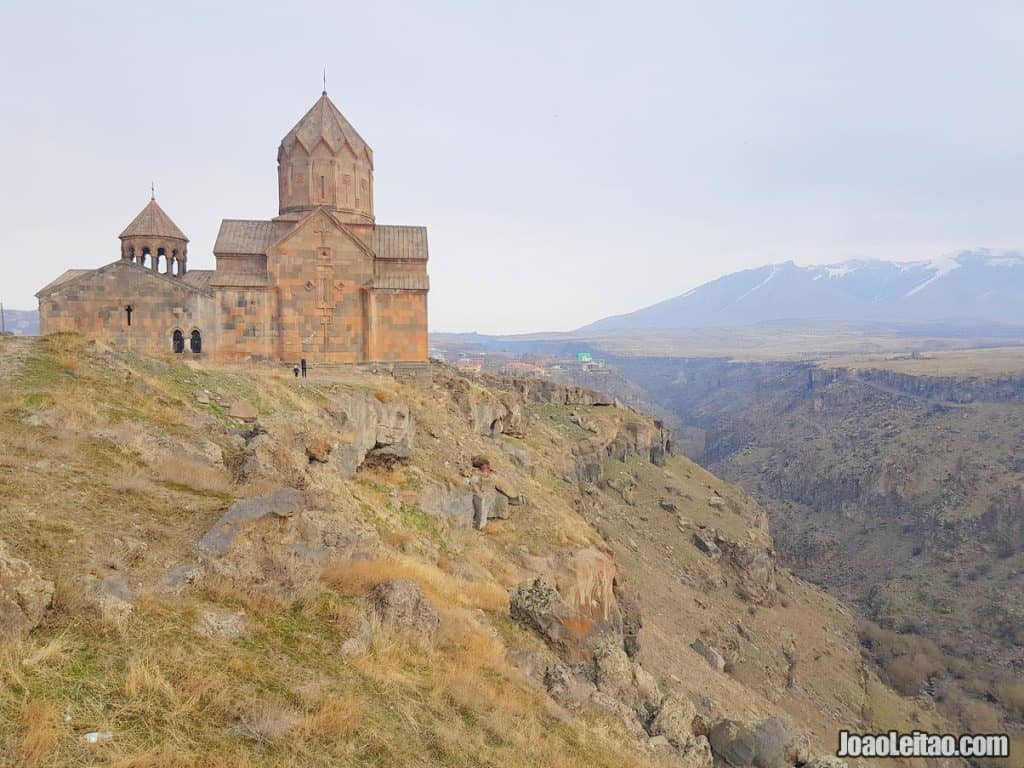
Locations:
column 976, row 286
column 21, row 322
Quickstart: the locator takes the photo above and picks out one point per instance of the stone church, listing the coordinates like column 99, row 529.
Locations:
column 322, row 280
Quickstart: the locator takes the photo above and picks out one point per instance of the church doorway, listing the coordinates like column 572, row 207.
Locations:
column 179, row 342
column 196, row 342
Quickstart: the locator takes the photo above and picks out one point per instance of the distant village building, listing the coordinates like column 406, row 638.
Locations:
column 468, row 365
column 322, row 280
column 523, row 370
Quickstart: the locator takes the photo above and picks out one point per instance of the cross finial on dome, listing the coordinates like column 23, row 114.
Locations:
column 325, row 81
column 152, row 191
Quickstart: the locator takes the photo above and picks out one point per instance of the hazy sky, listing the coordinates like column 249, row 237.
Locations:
column 571, row 160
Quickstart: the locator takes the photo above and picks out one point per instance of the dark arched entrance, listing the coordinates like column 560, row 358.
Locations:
column 196, row 342
column 179, row 342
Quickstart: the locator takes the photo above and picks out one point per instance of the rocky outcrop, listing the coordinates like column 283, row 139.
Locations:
column 353, row 428
column 24, row 596
column 488, row 413
column 631, row 438
column 276, row 542
column 367, row 426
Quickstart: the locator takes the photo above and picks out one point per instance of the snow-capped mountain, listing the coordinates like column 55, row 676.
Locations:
column 976, row 286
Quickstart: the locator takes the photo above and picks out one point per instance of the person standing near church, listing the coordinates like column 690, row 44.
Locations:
column 302, row 364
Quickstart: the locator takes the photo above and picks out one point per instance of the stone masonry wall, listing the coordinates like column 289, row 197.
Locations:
column 94, row 305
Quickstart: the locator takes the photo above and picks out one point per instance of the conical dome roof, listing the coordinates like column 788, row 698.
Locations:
column 324, row 121
column 153, row 222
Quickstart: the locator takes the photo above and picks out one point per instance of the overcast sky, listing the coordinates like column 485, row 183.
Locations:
column 571, row 160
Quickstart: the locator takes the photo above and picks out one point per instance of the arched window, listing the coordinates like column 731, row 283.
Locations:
column 178, row 341
column 128, row 313
column 196, row 342
column 161, row 255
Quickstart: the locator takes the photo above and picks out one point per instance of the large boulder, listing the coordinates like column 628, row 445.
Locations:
column 401, row 605
column 24, row 596
column 743, row 744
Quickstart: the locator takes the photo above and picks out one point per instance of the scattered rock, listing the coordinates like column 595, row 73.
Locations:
column 668, row 506
column 222, row 625
column 112, row 597
column 203, row 397
column 716, row 502
column 24, row 596
column 481, row 462
column 401, row 604
column 243, row 411
column 713, row 657
column 180, row 577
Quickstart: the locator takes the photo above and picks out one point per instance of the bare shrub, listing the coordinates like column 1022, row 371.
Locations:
column 909, row 672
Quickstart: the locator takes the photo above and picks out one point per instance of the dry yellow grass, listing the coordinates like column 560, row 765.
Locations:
column 39, row 734
column 192, row 474
column 357, row 577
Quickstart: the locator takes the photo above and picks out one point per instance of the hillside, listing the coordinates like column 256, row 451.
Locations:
column 225, row 566
column 894, row 481
column 970, row 286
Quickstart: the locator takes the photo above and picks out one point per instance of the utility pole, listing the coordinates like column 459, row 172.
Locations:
column 3, row 320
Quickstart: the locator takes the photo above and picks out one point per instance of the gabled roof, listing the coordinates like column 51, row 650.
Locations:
column 153, row 222
column 71, row 274
column 247, row 236
column 198, row 278
column 398, row 242
column 199, row 283
column 324, row 121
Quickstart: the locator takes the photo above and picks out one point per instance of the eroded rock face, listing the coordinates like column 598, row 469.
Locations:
column 24, row 596
column 401, row 605
column 632, row 437
column 488, row 413
column 370, row 427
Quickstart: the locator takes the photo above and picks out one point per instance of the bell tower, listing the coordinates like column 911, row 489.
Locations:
column 153, row 241
column 323, row 161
